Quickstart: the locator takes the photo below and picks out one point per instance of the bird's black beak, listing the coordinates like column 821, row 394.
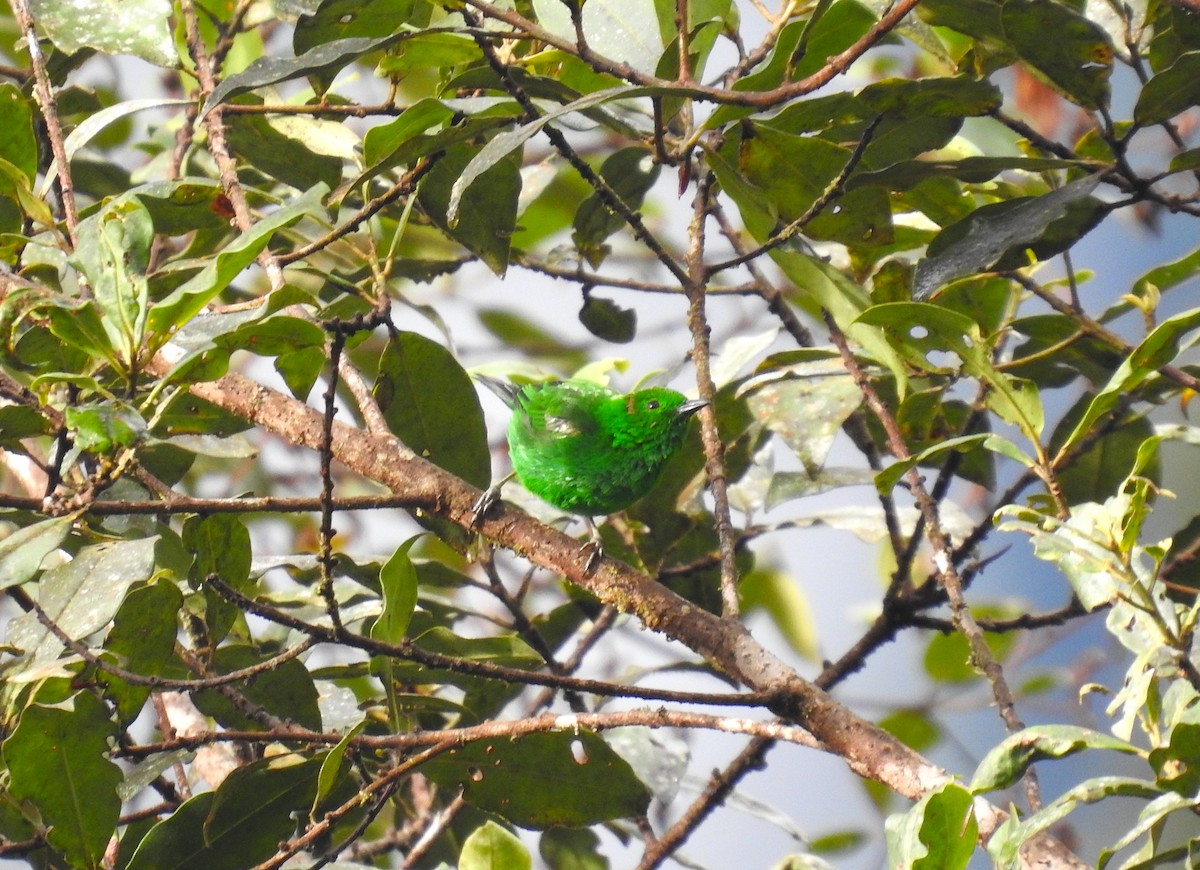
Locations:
column 687, row 409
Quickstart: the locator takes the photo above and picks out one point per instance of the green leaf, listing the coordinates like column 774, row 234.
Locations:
column 325, row 58
column 482, row 218
column 490, row 847
column 137, row 27
column 183, row 206
column 221, row 545
column 1076, row 62
column 113, row 251
column 607, row 320
column 948, row 656
column 1005, row 845
column 501, row 146
column 980, row 240
column 625, row 29
column 572, row 849
column 1158, row 349
column 542, row 780
column 1172, row 91
column 143, row 641
column 94, row 124
column 1104, row 467
column 177, row 842
column 254, row 806
column 1006, row 763
column 630, row 173
column 57, row 761
column 938, row 833
column 789, row 173
column 430, row 404
column 80, row 596
column 349, row 19
column 18, row 422
column 970, row 170
column 333, row 768
column 188, row 300
column 22, row 552
column 825, row 288
column 286, row 153
column 886, row 480
column 398, row 579
column 285, row 691
column 920, row 329
column 381, row 142
column 915, row 727
column 17, row 143
column 15, row 185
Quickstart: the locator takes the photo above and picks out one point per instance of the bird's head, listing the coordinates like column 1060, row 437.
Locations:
column 654, row 415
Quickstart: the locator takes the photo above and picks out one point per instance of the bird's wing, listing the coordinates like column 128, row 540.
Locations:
column 562, row 409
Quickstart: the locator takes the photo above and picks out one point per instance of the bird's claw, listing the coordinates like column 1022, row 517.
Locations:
column 595, row 552
column 483, row 504
column 594, row 544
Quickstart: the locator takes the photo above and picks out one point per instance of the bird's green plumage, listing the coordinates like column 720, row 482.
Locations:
column 589, row 450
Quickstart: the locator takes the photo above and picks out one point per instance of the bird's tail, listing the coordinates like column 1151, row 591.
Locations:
column 506, row 391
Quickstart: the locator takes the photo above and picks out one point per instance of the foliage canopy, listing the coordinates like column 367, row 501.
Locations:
column 876, row 216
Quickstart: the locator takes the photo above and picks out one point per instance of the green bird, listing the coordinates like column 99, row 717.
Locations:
column 586, row 449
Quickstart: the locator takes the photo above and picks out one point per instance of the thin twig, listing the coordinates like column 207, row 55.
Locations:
column 943, row 560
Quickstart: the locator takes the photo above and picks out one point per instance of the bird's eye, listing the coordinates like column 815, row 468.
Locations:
column 652, row 405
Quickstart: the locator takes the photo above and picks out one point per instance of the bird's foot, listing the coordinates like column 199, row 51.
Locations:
column 487, row 501
column 594, row 548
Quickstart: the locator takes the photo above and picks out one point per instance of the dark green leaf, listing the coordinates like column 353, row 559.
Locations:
column 183, row 206
column 143, row 641
column 286, row 691
column 17, row 143
column 57, row 760
column 105, row 426
column 630, row 173
column 398, row 579
column 184, row 303
column 480, row 218
column 270, row 150
column 543, row 780
column 326, row 58
column 572, row 849
column 978, row 242
column 972, row 170
column 505, row 144
column 221, row 545
column 1076, row 62
column 1172, row 91
column 790, row 172
column 255, row 804
column 431, row 405
column 1102, row 469
column 1159, row 348
column 1006, row 763
column 346, row 19
column 607, row 320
